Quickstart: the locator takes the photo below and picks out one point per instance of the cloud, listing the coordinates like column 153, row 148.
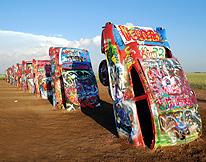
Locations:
column 97, row 40
column 129, row 24
column 18, row 46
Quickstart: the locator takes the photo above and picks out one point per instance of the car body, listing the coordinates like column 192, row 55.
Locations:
column 73, row 80
column 28, row 78
column 152, row 100
column 9, row 75
column 19, row 76
column 42, row 78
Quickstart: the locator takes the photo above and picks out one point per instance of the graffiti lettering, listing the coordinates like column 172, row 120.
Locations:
column 70, row 52
column 152, row 51
column 131, row 34
column 72, row 58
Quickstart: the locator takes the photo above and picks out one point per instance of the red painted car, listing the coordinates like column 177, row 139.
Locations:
column 152, row 100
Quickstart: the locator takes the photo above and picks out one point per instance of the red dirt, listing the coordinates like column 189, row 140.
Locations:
column 31, row 130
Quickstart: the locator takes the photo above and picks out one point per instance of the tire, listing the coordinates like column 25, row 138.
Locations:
column 103, row 73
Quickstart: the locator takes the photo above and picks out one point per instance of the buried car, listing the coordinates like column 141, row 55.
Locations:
column 152, row 101
column 19, row 75
column 28, row 78
column 42, row 78
column 73, row 81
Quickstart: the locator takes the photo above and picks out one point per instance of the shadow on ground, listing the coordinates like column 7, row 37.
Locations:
column 200, row 100
column 103, row 116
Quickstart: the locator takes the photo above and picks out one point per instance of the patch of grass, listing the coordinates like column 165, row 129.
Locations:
column 2, row 77
column 197, row 80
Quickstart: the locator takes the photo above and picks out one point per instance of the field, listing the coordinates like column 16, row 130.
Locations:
column 2, row 77
column 197, row 80
column 32, row 130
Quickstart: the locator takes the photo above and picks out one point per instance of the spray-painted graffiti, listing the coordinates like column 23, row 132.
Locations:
column 30, row 84
column 70, row 55
column 80, row 90
column 45, row 87
column 9, row 75
column 181, row 125
column 73, row 81
column 57, row 92
column 152, row 100
column 121, row 92
column 29, row 77
column 36, row 83
column 14, row 72
column 168, row 83
column 179, row 117
column 27, row 72
column 6, row 75
column 131, row 34
column 24, row 76
column 152, row 51
column 42, row 79
column 19, row 76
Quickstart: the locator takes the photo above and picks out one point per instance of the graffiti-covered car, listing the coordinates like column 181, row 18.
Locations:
column 73, row 81
column 19, row 75
column 14, row 75
column 28, row 78
column 8, row 73
column 152, row 101
column 42, row 78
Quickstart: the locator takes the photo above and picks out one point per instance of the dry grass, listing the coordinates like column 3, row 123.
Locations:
column 2, row 77
column 197, row 80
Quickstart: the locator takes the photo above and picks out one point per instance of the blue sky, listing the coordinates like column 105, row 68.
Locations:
column 28, row 28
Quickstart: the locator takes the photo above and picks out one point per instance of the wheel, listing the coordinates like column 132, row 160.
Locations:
column 103, row 73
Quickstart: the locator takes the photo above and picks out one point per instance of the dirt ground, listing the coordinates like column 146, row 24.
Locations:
column 31, row 130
